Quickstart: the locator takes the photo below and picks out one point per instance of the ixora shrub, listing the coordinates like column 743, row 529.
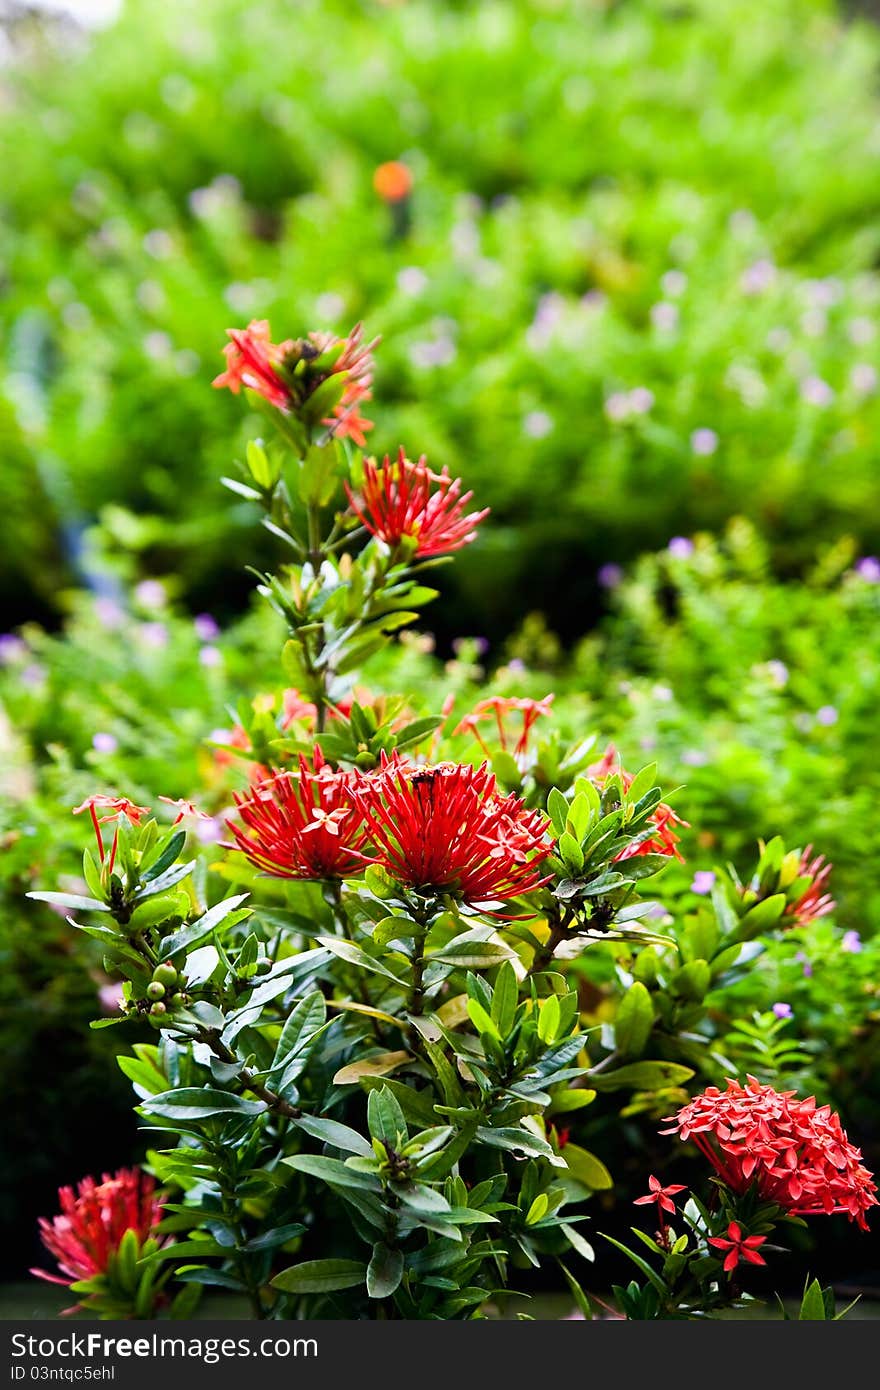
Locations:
column 371, row 1069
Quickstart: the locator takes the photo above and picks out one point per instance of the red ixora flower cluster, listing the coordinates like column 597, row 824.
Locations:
column 663, row 839
column 254, row 361
column 405, row 500
column 114, row 806
column 794, row 1151
column 445, row 827
column 815, row 901
column 302, row 824
column 501, row 708
column 93, row 1221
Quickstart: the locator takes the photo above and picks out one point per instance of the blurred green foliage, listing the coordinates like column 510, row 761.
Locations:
column 679, row 203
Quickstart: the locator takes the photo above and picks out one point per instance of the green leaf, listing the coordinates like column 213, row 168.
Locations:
column 587, row 1168
column 305, row 1020
column 72, row 900
column 166, row 858
column 194, row 933
column 385, row 1117
column 332, row 1132
column 473, row 954
column 482, row 1021
column 812, row 1307
column 505, row 997
column 384, row 1271
column 760, row 918
column 320, row 1276
column 634, row 1021
column 333, row 1171
column 198, row 1103
column 640, row 1076
column 348, row 951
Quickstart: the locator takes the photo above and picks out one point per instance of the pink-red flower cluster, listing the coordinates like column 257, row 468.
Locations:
column 406, row 501
column 254, row 361
column 114, row 806
column 501, row 708
column 814, row 902
column 661, row 1195
column 93, row 1220
column 445, row 827
column 663, row 839
column 794, row 1151
column 302, row 824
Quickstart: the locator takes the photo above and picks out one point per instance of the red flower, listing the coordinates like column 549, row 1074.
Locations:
column 446, row 828
column 663, row 839
column 115, row 805
column 295, row 709
column 739, row 1247
column 795, row 1152
column 303, row 824
column 814, row 902
column 356, row 362
column 184, row 808
column 499, row 707
column 392, row 181
column 661, row 1195
column 93, row 1220
column 252, row 360
column 406, row 500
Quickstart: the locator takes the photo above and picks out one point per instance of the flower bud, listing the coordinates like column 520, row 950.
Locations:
column 164, row 974
column 156, row 990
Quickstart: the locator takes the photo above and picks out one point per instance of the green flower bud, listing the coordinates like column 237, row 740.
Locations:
column 156, row 990
column 157, row 1010
column 178, row 1000
column 164, row 974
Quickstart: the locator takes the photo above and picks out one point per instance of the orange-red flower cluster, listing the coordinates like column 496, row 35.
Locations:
column 794, row 1151
column 501, row 708
column 93, row 1221
column 445, row 827
column 114, row 806
column 662, row 839
column 815, row 901
column 738, row 1246
column 254, row 361
column 405, row 500
column 302, row 824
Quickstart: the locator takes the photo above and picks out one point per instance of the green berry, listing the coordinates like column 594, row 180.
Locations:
column 157, row 1009
column 178, row 1000
column 156, row 990
column 165, row 974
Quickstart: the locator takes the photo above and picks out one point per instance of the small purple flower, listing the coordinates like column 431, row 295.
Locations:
column 537, row 424
column 641, row 398
column 863, row 378
column 33, row 675
column 206, row 627
column 412, row 280
column 827, row 716
column 151, row 594
column 816, row 392
column 109, row 613
column 681, row 547
column 153, row 634
column 805, row 964
column 516, row 665
column 704, row 442
column 664, row 316
column 778, row 673
column 867, row 568
column 617, row 406
column 703, row 882
column 758, row 277
column 851, row 943
column 610, row 575
column 674, row 283
column 694, row 757
column 210, row 656
column 783, row 1010
column 105, row 743
column 860, row 331
column 208, row 832
column 110, row 997
column 12, row 648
